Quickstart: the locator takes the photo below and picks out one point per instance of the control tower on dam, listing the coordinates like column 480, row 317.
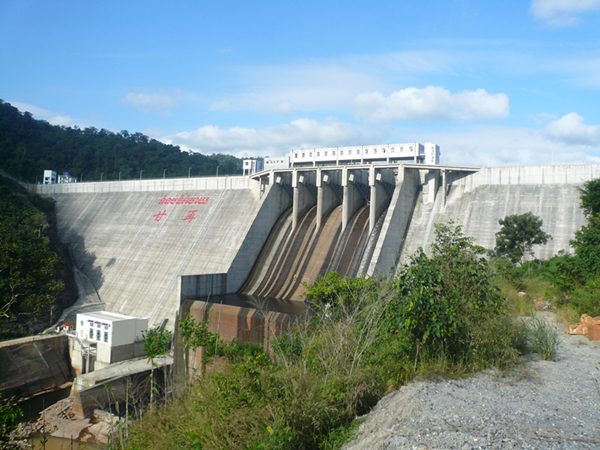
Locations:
column 146, row 246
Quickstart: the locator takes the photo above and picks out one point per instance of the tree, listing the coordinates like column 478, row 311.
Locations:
column 518, row 234
column 442, row 297
column 587, row 240
column 30, row 268
column 9, row 416
column 194, row 335
column 590, row 198
column 157, row 341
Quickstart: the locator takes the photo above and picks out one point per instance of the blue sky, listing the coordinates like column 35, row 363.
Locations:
column 493, row 83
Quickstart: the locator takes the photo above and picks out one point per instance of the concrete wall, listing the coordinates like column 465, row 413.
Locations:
column 257, row 325
column 540, row 175
column 33, row 365
column 134, row 248
column 157, row 185
column 479, row 200
column 391, row 238
column 275, row 201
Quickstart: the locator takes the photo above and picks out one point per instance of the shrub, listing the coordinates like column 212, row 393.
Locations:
column 542, row 339
column 440, row 299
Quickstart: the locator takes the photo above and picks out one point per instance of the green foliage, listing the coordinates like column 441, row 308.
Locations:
column 332, row 289
column 577, row 277
column 442, row 298
column 9, row 417
column 518, row 234
column 195, row 334
column 32, row 278
column 157, row 341
column 29, row 146
column 590, row 198
column 587, row 249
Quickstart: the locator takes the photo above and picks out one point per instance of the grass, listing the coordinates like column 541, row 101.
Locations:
column 543, row 339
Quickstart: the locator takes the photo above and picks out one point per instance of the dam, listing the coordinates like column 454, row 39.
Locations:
column 146, row 246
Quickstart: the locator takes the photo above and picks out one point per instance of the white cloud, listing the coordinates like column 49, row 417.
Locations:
column 571, row 130
column 432, row 103
column 562, row 12
column 158, row 101
column 505, row 146
column 273, row 140
column 64, row 121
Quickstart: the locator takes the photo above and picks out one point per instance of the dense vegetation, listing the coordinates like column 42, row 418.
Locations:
column 34, row 282
column 29, row 146
column 575, row 279
column 442, row 314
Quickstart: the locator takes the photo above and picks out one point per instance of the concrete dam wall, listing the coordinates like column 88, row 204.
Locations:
column 135, row 240
column 148, row 245
column 478, row 201
column 34, row 365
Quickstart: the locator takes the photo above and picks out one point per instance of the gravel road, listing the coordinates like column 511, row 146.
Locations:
column 537, row 405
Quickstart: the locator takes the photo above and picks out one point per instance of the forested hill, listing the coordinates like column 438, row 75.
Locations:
column 29, row 146
column 36, row 282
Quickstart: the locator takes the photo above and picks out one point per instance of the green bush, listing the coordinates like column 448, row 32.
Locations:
column 542, row 339
column 440, row 299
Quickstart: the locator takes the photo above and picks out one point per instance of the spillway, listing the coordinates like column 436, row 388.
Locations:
column 293, row 257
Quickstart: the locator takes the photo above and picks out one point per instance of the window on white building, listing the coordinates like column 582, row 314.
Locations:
column 325, row 153
column 91, row 333
column 341, row 152
column 106, row 337
column 97, row 335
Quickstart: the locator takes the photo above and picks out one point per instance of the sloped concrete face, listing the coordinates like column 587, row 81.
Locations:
column 135, row 245
column 479, row 209
column 35, row 365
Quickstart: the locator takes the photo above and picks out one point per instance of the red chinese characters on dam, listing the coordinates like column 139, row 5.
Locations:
column 191, row 216
column 160, row 215
column 183, row 200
